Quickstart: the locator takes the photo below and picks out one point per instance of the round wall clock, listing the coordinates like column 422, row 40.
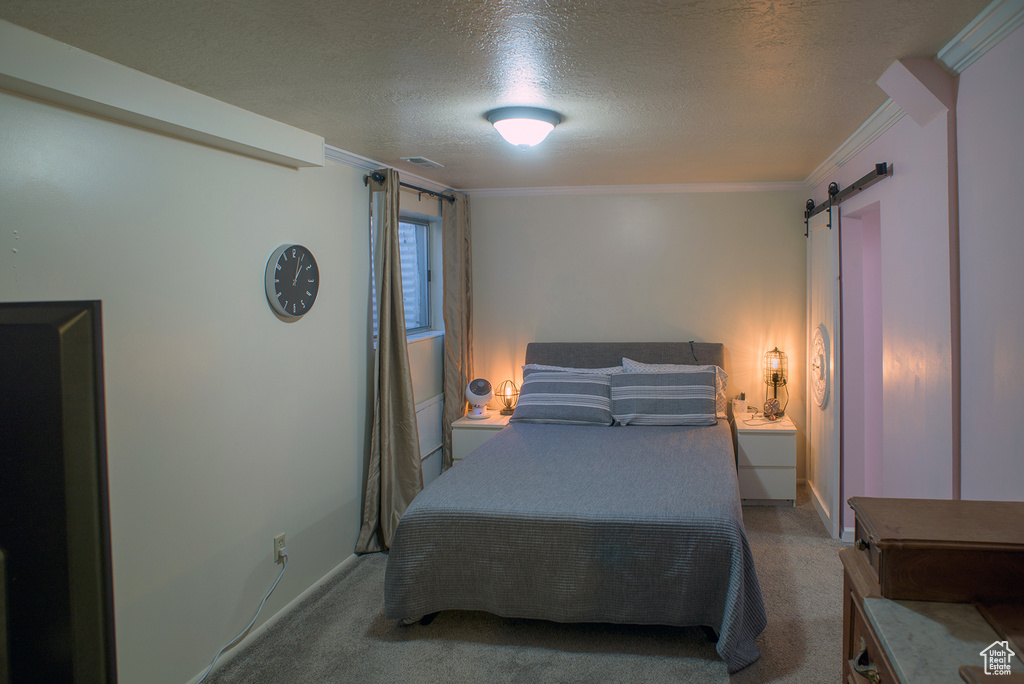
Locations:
column 293, row 280
column 819, row 365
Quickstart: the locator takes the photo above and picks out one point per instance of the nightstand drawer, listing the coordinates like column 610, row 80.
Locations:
column 766, row 449
column 469, row 433
column 767, row 483
column 466, row 441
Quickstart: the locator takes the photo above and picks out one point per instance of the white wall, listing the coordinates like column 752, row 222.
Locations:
column 716, row 266
column 916, row 361
column 917, row 448
column 225, row 425
column 862, row 355
column 991, row 144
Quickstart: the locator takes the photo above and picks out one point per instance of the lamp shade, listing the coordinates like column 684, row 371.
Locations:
column 776, row 368
column 524, row 126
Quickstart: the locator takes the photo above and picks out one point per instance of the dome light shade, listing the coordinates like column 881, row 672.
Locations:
column 524, row 126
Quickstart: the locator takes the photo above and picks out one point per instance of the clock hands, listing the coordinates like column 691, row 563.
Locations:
column 292, row 300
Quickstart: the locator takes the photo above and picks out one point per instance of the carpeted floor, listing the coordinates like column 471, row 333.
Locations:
column 339, row 633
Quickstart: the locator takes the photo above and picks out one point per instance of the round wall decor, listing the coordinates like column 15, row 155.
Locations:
column 819, row 358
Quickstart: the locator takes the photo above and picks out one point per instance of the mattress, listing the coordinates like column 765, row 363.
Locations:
column 631, row 525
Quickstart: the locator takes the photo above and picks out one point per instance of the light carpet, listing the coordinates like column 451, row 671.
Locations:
column 339, row 634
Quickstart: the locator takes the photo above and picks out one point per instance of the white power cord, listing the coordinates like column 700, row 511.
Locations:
column 284, row 554
column 756, row 418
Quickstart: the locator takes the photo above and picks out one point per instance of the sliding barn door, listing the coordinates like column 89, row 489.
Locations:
column 824, row 460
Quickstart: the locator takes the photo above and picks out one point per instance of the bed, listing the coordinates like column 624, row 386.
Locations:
column 578, row 523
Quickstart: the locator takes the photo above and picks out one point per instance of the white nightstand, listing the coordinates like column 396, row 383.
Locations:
column 469, row 433
column 766, row 460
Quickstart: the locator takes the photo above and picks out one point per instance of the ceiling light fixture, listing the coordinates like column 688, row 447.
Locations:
column 524, row 126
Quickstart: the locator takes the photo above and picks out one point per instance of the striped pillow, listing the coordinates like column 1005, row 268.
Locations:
column 631, row 366
column 664, row 398
column 564, row 398
column 611, row 370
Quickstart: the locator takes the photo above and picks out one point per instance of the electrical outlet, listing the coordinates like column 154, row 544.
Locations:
column 278, row 547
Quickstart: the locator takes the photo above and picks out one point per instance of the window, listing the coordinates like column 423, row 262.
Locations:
column 414, row 245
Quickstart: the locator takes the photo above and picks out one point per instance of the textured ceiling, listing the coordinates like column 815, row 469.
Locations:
column 651, row 91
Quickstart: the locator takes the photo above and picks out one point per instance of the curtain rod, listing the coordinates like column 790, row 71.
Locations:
column 835, row 195
column 378, row 177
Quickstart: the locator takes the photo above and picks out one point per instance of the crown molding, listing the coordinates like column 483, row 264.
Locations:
column 350, row 159
column 995, row 22
column 638, row 189
column 367, row 165
column 364, row 164
column 878, row 123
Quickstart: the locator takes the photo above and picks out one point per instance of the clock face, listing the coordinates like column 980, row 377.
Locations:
column 293, row 280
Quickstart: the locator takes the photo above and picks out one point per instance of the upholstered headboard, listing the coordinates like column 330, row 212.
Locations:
column 603, row 354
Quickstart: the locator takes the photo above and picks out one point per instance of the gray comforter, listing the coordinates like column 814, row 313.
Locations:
column 633, row 525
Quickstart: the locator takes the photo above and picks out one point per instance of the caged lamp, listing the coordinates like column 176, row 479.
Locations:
column 776, row 375
column 508, row 395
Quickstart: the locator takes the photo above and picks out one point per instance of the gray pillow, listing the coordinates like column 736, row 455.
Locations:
column 664, row 398
column 564, row 398
column 721, row 377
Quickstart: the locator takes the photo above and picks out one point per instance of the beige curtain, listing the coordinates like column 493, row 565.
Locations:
column 458, row 315
column 394, row 475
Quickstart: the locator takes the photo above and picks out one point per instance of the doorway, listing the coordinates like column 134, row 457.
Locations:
column 862, row 358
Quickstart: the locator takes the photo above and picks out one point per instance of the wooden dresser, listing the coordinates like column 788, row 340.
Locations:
column 953, row 567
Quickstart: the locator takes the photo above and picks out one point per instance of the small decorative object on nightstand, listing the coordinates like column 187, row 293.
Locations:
column 478, row 394
column 766, row 460
column 469, row 433
column 508, row 395
column 739, row 406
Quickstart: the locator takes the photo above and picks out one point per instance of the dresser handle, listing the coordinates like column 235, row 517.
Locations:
column 862, row 545
column 866, row 669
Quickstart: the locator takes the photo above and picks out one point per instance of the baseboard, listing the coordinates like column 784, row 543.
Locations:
column 272, row 620
column 847, row 535
column 820, row 508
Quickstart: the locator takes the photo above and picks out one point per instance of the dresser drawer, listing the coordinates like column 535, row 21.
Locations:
column 941, row 550
column 866, row 543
